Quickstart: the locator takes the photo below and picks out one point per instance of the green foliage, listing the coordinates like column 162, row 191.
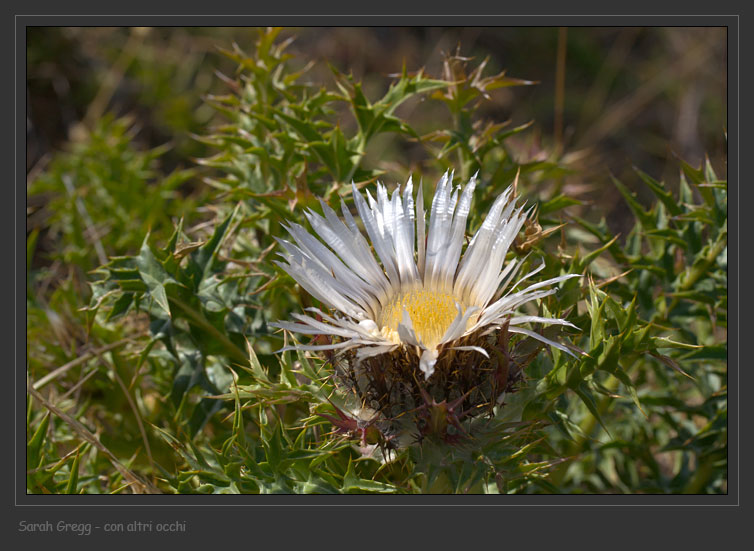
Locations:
column 179, row 359
column 659, row 335
column 105, row 193
column 284, row 143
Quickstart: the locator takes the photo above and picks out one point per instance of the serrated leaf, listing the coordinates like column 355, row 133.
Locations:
column 581, row 264
column 662, row 194
column 587, row 398
column 121, row 306
column 670, row 362
column 557, row 203
column 595, row 307
column 153, row 275
column 708, row 352
column 202, row 259
column 664, row 342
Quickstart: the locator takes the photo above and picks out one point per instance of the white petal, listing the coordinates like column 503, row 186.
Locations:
column 539, row 337
column 518, row 320
column 409, row 212
column 370, row 327
column 427, row 362
column 527, row 276
column 318, row 286
column 321, row 254
column 307, row 329
column 421, row 229
column 456, row 235
column 545, row 283
column 509, row 274
column 404, row 246
column 499, row 285
column 506, row 306
column 485, row 286
column 365, row 329
column 332, row 346
column 477, row 254
column 475, row 348
column 382, row 245
column 369, row 351
column 458, row 327
column 406, row 330
column 310, row 274
column 440, row 217
column 350, row 245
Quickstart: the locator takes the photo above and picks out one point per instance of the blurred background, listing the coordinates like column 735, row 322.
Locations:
column 606, row 99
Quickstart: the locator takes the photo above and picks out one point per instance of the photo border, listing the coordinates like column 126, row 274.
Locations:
column 198, row 506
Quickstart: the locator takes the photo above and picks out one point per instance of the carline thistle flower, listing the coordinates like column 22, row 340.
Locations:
column 426, row 295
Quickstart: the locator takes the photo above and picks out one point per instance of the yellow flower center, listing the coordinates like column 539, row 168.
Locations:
column 431, row 314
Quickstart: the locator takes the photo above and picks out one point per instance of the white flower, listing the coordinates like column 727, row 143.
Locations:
column 425, row 295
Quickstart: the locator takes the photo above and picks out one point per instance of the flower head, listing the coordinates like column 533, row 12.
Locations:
column 426, row 295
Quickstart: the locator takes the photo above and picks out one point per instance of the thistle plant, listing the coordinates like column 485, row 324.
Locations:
column 494, row 339
column 436, row 312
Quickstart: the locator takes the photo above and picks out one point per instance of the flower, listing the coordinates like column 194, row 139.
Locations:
column 425, row 295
